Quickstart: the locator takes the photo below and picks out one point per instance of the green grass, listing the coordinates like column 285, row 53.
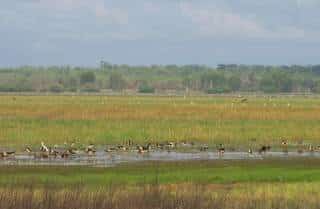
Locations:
column 203, row 172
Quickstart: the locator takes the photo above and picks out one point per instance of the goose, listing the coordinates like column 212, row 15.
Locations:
column 221, row 149
column 28, row 149
column 171, row 145
column 110, row 149
column 311, row 148
column 284, row 146
column 5, row 153
column 65, row 154
column 43, row 147
column 160, row 146
column 62, row 152
column 264, row 149
column 44, row 152
column 72, row 149
column 244, row 100
column 143, row 149
column 250, row 151
column 90, row 150
column 204, row 148
column 122, row 148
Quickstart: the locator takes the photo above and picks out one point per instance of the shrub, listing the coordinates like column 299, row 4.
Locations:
column 145, row 88
column 218, row 90
column 56, row 88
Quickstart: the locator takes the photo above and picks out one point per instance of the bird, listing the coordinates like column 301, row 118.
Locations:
column 90, row 150
column 6, row 153
column 72, row 149
column 144, row 149
column 284, row 146
column 122, row 148
column 221, row 149
column 110, row 149
column 243, row 100
column 43, row 147
column 28, row 149
column 171, row 144
column 204, row 148
column 264, row 149
column 311, row 148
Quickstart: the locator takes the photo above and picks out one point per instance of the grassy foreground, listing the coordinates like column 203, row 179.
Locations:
column 113, row 119
column 261, row 184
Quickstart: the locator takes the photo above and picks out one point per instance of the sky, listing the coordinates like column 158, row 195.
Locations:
column 144, row 32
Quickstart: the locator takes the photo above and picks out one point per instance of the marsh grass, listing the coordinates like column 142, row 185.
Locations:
column 200, row 172
column 114, row 119
column 257, row 184
column 160, row 196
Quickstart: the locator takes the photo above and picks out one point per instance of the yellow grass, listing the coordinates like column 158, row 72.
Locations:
column 113, row 119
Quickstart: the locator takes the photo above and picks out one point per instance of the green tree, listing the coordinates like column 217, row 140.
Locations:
column 277, row 81
column 144, row 87
column 117, row 81
column 235, row 83
column 87, row 77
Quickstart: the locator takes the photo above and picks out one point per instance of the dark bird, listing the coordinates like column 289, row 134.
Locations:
column 6, row 153
column 264, row 149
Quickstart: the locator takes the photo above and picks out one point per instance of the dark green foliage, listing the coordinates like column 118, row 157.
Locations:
column 199, row 78
column 57, row 88
column 116, row 81
column 89, row 87
column 234, row 82
column 218, row 90
column 87, row 77
column 146, row 88
column 276, row 81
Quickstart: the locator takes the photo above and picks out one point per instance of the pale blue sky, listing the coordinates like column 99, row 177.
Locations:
column 82, row 32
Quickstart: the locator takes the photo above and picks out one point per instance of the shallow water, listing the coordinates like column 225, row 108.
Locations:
column 104, row 159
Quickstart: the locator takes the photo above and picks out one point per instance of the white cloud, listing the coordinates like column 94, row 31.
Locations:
column 96, row 7
column 221, row 22
column 151, row 7
column 66, row 4
column 308, row 3
column 111, row 15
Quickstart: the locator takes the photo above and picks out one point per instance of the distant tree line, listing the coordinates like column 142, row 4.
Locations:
column 159, row 78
